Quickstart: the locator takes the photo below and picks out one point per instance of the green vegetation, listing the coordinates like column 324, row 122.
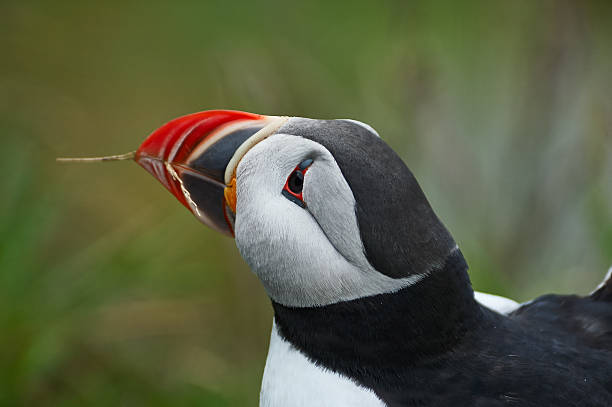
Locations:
column 111, row 293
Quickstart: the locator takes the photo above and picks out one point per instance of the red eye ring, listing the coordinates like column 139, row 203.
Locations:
column 295, row 183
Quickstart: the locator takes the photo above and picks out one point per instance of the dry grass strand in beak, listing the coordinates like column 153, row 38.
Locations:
column 119, row 157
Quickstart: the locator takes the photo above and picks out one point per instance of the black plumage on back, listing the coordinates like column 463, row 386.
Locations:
column 585, row 321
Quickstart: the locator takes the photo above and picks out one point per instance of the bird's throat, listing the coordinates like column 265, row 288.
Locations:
column 372, row 336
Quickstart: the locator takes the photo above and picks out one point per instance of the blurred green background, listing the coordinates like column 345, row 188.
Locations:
column 111, row 293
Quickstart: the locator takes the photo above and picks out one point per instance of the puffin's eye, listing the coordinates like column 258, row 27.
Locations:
column 295, row 183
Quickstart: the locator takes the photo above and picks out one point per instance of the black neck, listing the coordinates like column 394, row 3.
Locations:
column 369, row 338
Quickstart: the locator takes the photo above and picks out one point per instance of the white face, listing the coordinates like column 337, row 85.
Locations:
column 303, row 256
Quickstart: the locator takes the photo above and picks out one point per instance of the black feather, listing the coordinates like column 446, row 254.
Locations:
column 582, row 321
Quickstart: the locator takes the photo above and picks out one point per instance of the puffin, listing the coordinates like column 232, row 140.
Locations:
column 373, row 305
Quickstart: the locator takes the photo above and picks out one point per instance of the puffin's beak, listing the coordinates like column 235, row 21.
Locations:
column 195, row 158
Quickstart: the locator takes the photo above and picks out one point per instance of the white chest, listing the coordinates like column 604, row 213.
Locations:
column 291, row 380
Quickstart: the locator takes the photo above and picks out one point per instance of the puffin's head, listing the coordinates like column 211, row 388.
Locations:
column 323, row 211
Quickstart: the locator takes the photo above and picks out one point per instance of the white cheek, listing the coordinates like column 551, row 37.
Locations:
column 278, row 243
column 270, row 229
